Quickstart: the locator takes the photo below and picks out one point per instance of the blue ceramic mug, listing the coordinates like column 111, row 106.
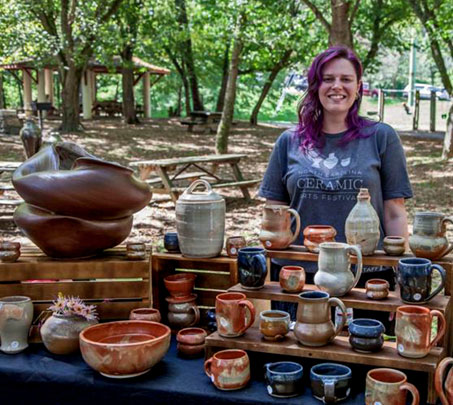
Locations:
column 171, row 242
column 283, row 379
column 414, row 279
column 330, row 382
column 252, row 267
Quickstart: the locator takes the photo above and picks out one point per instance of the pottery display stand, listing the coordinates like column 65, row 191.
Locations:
column 340, row 349
column 112, row 282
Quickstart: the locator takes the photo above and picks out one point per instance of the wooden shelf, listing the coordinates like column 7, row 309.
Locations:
column 356, row 298
column 339, row 350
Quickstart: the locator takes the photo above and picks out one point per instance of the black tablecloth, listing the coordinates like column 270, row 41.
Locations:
column 36, row 377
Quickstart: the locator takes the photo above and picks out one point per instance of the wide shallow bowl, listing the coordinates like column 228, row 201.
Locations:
column 125, row 348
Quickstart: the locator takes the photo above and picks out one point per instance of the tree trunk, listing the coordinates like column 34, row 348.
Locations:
column 70, row 99
column 267, row 86
column 130, row 117
column 447, row 151
column 340, row 28
column 2, row 93
column 223, row 130
column 185, row 83
column 226, row 63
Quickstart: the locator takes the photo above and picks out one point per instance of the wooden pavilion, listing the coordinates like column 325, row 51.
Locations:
column 43, row 79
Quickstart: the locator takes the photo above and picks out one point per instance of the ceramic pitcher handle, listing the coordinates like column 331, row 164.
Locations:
column 441, row 326
column 443, row 276
column 343, row 315
column 413, row 390
column 450, row 245
column 207, row 367
column 196, row 311
column 329, row 392
column 248, row 305
column 358, row 271
column 196, row 183
column 439, row 379
column 297, row 216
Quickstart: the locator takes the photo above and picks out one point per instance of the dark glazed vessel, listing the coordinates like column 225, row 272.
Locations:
column 330, row 382
column 30, row 135
column 283, row 379
column 366, row 335
column 171, row 243
column 252, row 267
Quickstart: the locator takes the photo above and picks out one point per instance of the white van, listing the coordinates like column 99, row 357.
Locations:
column 425, row 90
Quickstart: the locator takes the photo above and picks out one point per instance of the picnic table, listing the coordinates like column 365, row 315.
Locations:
column 172, row 171
column 204, row 120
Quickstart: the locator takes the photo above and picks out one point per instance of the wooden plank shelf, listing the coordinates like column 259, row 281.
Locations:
column 339, row 350
column 356, row 298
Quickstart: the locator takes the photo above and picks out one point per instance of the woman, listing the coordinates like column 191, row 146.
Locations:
column 319, row 167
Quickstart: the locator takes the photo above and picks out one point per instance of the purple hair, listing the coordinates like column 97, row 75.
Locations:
column 309, row 129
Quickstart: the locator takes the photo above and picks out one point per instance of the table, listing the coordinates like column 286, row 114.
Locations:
column 203, row 119
column 171, row 171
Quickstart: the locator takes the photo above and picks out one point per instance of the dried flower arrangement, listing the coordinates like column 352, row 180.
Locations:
column 73, row 306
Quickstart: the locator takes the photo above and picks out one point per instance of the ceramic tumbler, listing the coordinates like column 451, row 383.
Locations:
column 252, row 267
column 283, row 379
column 234, row 314
column 16, row 315
column 233, row 244
column 413, row 330
column 292, row 278
column 414, row 279
column 228, row 369
column 330, row 382
column 388, row 387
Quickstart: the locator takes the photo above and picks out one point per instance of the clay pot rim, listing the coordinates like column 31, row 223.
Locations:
column 156, row 339
column 269, row 366
column 430, row 213
column 220, row 355
column 323, row 295
column 14, row 299
column 360, row 326
column 284, row 314
column 145, row 311
column 333, row 245
column 346, row 371
column 413, row 310
column 320, row 227
column 389, row 371
column 415, row 261
column 179, row 278
column 395, row 238
column 230, row 296
column 182, row 299
column 252, row 250
column 293, row 268
column 377, row 282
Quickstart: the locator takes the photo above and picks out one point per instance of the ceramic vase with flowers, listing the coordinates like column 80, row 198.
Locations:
column 60, row 332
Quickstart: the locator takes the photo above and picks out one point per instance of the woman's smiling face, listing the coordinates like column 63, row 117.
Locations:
column 339, row 87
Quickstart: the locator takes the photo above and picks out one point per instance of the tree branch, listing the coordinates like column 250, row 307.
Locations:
column 354, row 11
column 318, row 14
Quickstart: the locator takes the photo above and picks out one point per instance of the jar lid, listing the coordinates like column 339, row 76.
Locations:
column 190, row 195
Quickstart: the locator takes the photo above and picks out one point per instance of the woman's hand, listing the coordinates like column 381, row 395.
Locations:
column 395, row 218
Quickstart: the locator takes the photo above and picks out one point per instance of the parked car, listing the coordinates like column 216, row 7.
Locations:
column 442, row 94
column 367, row 91
column 425, row 90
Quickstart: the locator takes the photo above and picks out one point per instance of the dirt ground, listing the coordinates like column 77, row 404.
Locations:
column 432, row 178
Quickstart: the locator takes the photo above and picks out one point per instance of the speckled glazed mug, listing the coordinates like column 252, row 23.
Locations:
column 228, row 369
column 234, row 314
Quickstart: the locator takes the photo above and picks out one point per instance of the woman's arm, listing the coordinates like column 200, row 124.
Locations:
column 395, row 218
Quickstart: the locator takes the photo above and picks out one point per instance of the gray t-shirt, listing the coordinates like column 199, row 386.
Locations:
column 322, row 185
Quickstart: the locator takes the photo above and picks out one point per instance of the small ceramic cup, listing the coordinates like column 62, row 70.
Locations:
column 394, row 245
column 191, row 341
column 228, row 369
column 330, row 382
column 136, row 251
column 283, row 379
column 171, row 242
column 9, row 252
column 316, row 234
column 292, row 278
column 366, row 335
column 274, row 324
column 233, row 244
column 145, row 314
column 377, row 289
column 180, row 285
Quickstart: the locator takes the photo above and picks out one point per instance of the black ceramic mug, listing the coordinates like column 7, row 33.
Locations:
column 414, row 279
column 252, row 267
column 330, row 382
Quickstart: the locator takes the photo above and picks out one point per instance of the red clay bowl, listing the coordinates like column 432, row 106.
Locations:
column 125, row 348
column 191, row 336
column 181, row 284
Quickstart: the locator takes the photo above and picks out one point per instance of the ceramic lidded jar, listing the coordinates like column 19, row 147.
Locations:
column 276, row 226
column 200, row 221
column 429, row 240
column 362, row 224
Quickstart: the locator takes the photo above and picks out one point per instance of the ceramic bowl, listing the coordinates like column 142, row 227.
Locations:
column 283, row 379
column 171, row 242
column 145, row 314
column 181, row 284
column 366, row 335
column 9, row 251
column 316, row 234
column 274, row 324
column 394, row 245
column 377, row 289
column 191, row 336
column 125, row 348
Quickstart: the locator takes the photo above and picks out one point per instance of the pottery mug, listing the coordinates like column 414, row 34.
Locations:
column 171, row 243
column 234, row 314
column 233, row 244
column 283, row 379
column 388, row 387
column 330, row 382
column 414, row 279
column 228, row 369
column 413, row 330
column 252, row 267
column 444, row 390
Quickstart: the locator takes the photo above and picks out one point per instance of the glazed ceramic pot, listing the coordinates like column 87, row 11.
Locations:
column 415, row 279
column 394, row 245
column 292, row 278
column 234, row 314
column 60, row 334
column 276, row 226
column 444, row 389
column 200, row 221
column 330, row 382
column 210, row 318
column 377, row 289
column 182, row 312
column 366, row 335
column 316, row 234
column 283, row 379
column 233, row 244
column 413, row 330
column 135, row 251
column 180, row 285
column 334, row 273
column 16, row 316
column 228, row 369
column 125, row 348
column 145, row 314
column 30, row 135
column 362, row 224
column 252, row 267
column 314, row 326
column 9, row 252
column 429, row 239
column 191, row 341
column 171, row 243
column 274, row 324
column 389, row 387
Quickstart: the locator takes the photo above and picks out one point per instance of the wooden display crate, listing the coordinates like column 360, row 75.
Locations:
column 116, row 285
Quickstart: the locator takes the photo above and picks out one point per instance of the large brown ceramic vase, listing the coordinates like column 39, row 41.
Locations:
column 75, row 204
column 444, row 390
